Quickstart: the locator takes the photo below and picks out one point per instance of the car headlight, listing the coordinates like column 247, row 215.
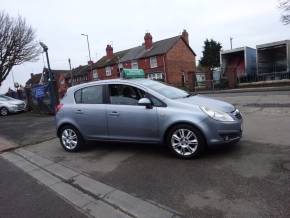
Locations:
column 217, row 115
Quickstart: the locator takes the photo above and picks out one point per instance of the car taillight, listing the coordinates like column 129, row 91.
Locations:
column 58, row 107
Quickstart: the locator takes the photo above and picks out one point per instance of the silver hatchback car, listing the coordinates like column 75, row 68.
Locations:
column 145, row 111
column 10, row 105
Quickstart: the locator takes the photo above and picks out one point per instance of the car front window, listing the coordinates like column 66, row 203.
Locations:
column 165, row 90
column 125, row 95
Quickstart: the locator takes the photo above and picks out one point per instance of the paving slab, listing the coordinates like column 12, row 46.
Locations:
column 23, row 152
column 44, row 177
column 97, row 188
column 72, row 194
column 40, row 161
column 101, row 210
column 61, row 171
column 135, row 206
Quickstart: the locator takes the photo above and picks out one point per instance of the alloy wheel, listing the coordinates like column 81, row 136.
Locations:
column 184, row 142
column 69, row 139
column 4, row 111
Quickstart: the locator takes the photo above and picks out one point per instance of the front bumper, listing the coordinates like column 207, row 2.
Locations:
column 217, row 132
column 16, row 109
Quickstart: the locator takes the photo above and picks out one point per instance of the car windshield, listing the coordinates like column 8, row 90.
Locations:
column 5, row 98
column 163, row 89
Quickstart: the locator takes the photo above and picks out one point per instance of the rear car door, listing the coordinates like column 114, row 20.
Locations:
column 90, row 112
column 126, row 119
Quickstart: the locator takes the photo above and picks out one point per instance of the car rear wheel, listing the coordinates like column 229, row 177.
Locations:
column 4, row 111
column 71, row 139
column 185, row 141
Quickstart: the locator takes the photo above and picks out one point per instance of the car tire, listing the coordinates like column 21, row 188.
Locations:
column 71, row 139
column 185, row 141
column 4, row 111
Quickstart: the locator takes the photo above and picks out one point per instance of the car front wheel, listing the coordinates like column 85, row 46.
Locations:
column 70, row 139
column 185, row 141
column 4, row 111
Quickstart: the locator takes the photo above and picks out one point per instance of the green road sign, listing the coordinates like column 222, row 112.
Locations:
column 133, row 73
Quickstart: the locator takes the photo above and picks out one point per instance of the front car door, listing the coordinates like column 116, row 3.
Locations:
column 90, row 112
column 126, row 119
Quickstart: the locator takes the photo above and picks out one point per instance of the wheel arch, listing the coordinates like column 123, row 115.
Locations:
column 66, row 124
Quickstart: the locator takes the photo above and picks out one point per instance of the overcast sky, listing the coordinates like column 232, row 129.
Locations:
column 59, row 23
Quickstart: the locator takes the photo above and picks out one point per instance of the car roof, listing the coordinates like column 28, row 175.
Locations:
column 108, row 81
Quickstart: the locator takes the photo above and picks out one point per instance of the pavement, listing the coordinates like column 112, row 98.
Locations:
column 249, row 179
column 22, row 196
column 91, row 197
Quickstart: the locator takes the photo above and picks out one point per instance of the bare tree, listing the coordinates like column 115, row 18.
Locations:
column 17, row 43
column 284, row 5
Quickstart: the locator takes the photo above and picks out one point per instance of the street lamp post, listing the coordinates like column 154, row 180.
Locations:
column 88, row 45
column 51, row 80
column 91, row 65
column 71, row 75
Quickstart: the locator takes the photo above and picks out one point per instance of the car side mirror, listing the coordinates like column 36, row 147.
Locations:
column 145, row 102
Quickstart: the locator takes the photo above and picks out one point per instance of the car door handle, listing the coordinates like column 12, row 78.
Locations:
column 114, row 114
column 79, row 111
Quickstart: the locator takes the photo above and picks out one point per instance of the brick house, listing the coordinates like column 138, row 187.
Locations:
column 171, row 60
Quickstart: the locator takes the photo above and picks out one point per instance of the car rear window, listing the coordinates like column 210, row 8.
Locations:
column 89, row 95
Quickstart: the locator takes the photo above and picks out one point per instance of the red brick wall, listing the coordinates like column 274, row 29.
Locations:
column 114, row 72
column 145, row 64
column 62, row 85
column 178, row 60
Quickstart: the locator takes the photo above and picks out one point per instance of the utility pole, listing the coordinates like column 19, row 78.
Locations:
column 71, row 75
column 231, row 39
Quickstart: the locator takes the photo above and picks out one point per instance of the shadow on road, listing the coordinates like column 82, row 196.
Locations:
column 159, row 150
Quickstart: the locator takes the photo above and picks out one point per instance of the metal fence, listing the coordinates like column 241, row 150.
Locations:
column 206, row 85
column 264, row 77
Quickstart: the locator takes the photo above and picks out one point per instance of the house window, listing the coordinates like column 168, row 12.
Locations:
column 134, row 64
column 153, row 62
column 120, row 66
column 108, row 71
column 155, row 76
column 95, row 74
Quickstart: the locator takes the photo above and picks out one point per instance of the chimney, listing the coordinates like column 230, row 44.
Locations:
column 90, row 62
column 109, row 51
column 185, row 36
column 148, row 41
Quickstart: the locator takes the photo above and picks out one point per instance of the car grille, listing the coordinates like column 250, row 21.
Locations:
column 21, row 106
column 237, row 114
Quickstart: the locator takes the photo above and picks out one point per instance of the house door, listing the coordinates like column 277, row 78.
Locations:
column 182, row 80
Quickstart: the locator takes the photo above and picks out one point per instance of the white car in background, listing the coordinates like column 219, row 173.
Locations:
column 10, row 105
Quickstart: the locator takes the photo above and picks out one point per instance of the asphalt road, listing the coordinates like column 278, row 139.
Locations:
column 21, row 196
column 27, row 128
column 249, row 179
